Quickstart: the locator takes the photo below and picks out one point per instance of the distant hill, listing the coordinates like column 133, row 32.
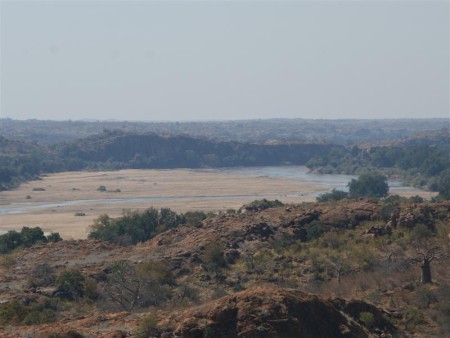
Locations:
column 246, row 131
column 156, row 151
column 20, row 160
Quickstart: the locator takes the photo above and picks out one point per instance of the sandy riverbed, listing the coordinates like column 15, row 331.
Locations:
column 179, row 189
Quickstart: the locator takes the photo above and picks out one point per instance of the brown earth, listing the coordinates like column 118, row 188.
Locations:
column 261, row 311
column 265, row 309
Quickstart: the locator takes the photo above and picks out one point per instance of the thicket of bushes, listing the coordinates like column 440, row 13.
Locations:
column 422, row 162
column 135, row 226
column 25, row 238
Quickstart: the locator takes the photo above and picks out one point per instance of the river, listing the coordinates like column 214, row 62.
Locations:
column 319, row 183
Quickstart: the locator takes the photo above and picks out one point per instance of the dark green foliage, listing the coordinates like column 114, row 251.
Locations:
column 30, row 236
column 119, row 150
column 444, row 185
column 194, row 218
column 10, row 241
column 134, row 227
column 334, row 195
column 422, row 162
column 70, row 285
column 416, row 199
column 315, row 230
column 25, row 238
column 54, row 237
column 368, row 185
column 264, row 204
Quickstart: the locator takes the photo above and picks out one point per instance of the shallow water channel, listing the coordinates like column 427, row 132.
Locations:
column 295, row 173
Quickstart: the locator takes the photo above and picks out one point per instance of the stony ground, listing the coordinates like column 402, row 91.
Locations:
column 235, row 301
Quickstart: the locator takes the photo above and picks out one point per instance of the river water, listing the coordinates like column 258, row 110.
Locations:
column 323, row 182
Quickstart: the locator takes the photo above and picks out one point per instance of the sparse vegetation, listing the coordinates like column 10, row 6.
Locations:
column 147, row 327
column 42, row 275
column 333, row 249
column 101, row 188
column 146, row 284
column 213, row 256
column 18, row 313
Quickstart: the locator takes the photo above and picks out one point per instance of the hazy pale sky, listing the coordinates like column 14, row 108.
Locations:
column 209, row 60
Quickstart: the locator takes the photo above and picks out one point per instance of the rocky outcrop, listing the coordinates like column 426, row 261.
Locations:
column 273, row 312
column 423, row 213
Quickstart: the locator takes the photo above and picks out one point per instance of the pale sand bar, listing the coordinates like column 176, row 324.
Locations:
column 179, row 189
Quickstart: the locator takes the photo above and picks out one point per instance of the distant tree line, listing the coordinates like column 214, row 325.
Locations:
column 247, row 131
column 21, row 161
column 423, row 163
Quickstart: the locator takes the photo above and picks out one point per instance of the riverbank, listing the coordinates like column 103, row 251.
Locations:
column 69, row 202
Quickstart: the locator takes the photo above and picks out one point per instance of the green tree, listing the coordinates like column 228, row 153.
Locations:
column 10, row 241
column 31, row 236
column 368, row 185
column 444, row 185
column 71, row 285
column 334, row 195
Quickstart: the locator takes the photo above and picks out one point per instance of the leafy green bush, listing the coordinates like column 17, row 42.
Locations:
column 27, row 237
column 134, row 227
column 315, row 230
column 368, row 185
column 264, row 204
column 54, row 237
column 30, row 236
column 334, row 195
column 70, row 285
column 195, row 218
